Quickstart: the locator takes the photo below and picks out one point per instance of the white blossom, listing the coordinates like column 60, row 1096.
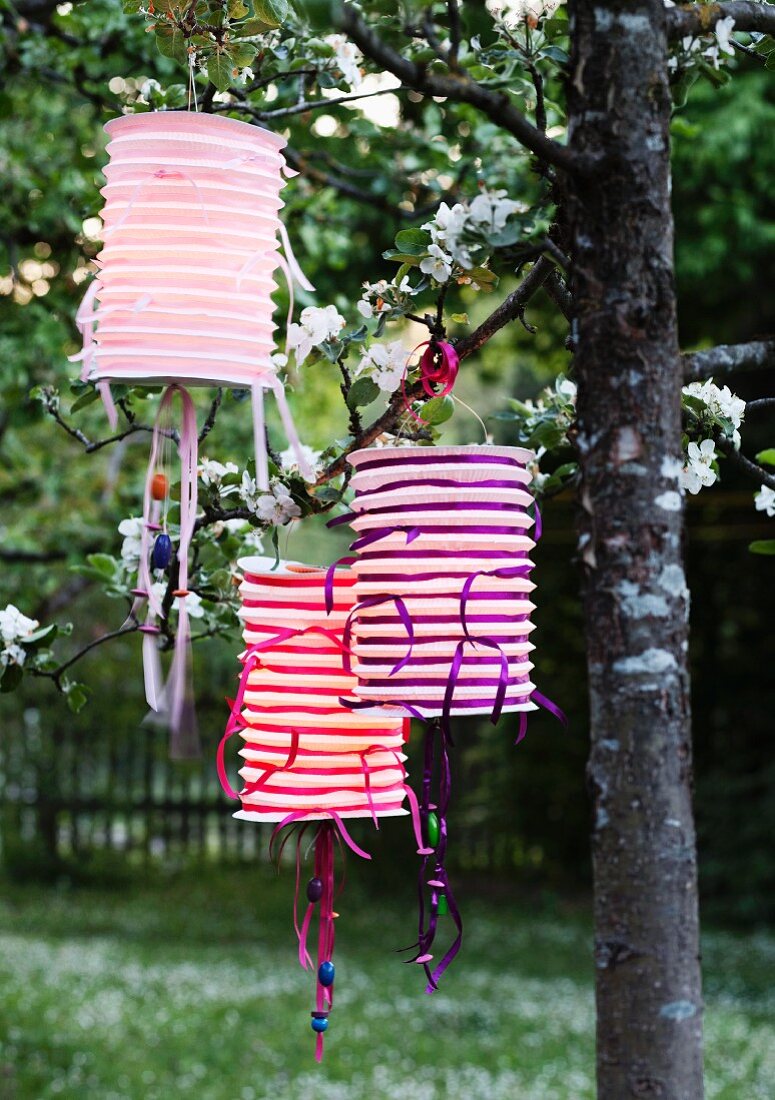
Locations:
column 521, row 11
column 14, row 627
column 247, row 74
column 289, row 459
column 720, row 401
column 723, row 32
column 348, row 58
column 275, row 507
column 385, row 363
column 697, row 472
column 437, row 264
column 316, row 325
column 492, row 208
column 131, row 548
column 567, row 388
column 212, row 472
column 765, row 500
column 12, row 655
column 193, row 601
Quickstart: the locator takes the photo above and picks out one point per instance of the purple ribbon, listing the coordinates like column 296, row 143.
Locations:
column 460, row 459
column 374, row 601
column 441, row 483
column 443, row 506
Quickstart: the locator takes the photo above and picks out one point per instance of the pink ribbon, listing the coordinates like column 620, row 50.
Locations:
column 438, row 366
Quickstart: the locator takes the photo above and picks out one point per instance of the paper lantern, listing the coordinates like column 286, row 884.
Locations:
column 442, row 621
column 186, row 273
column 182, row 298
column 306, row 757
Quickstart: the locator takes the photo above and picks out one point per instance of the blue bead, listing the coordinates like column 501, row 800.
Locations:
column 326, row 972
column 319, row 1024
column 314, row 890
column 161, row 555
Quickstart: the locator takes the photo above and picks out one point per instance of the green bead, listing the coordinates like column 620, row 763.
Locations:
column 432, row 830
column 442, row 907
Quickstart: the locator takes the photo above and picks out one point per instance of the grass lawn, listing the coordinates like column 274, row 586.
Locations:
column 189, row 988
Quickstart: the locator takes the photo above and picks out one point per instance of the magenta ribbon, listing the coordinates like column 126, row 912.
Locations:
column 438, row 366
column 375, row 601
column 433, row 459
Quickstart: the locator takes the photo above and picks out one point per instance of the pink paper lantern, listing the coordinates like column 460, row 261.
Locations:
column 182, row 298
column 308, row 760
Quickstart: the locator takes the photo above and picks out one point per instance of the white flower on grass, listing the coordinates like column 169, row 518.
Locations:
column 289, row 459
column 723, row 32
column 275, row 507
column 131, row 547
column 348, row 58
column 437, row 264
column 385, row 363
column 697, row 472
column 212, row 472
column 765, row 500
column 316, row 325
column 193, row 601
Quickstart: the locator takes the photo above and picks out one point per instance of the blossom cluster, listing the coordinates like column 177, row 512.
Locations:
column 14, row 628
column 457, row 231
column 315, row 326
column 691, row 47
column 274, row 506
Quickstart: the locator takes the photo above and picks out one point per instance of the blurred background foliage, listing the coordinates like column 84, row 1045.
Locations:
column 520, row 815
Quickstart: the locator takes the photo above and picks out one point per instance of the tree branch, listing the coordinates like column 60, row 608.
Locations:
column 694, row 19
column 745, row 465
column 459, row 87
column 509, row 309
column 56, row 674
column 728, row 358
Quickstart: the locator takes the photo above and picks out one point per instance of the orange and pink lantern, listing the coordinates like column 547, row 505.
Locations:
column 308, row 761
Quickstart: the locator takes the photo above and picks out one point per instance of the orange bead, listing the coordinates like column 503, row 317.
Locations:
column 159, row 487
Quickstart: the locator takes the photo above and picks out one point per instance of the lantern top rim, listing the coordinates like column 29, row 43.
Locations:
column 257, row 565
column 519, row 454
column 151, row 120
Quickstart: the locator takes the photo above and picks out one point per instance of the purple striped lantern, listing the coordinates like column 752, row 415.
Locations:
column 442, row 621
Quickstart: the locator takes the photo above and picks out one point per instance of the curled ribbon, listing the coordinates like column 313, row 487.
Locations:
column 438, row 366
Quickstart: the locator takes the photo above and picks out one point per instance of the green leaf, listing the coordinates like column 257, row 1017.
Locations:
column 405, row 258
column 85, row 399
column 362, row 392
column 11, row 678
column 219, row 70
column 237, row 10
column 763, row 546
column 77, row 696
column 172, row 43
column 33, row 640
column 242, row 54
column 770, row 62
column 767, row 457
column 272, row 12
column 437, row 410
column 459, row 318
column 131, row 7
column 413, row 242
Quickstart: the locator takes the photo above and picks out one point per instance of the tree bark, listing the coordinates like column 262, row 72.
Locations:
column 649, row 1007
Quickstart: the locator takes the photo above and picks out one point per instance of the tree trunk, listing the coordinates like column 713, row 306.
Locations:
column 649, row 1009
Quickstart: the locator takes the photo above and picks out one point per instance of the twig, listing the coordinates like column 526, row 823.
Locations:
column 745, row 465
column 509, row 310
column 209, row 423
column 728, row 358
column 694, row 19
column 300, row 108
column 459, row 88
column 56, row 674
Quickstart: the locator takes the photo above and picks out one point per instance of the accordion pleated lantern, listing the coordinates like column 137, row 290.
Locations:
column 443, row 615
column 305, row 754
column 309, row 761
column 182, row 298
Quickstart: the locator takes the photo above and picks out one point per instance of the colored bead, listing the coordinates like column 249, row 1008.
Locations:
column 181, row 593
column 319, row 1024
column 140, row 592
column 432, row 829
column 314, row 890
column 159, row 486
column 161, row 555
column 442, row 907
column 326, row 972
